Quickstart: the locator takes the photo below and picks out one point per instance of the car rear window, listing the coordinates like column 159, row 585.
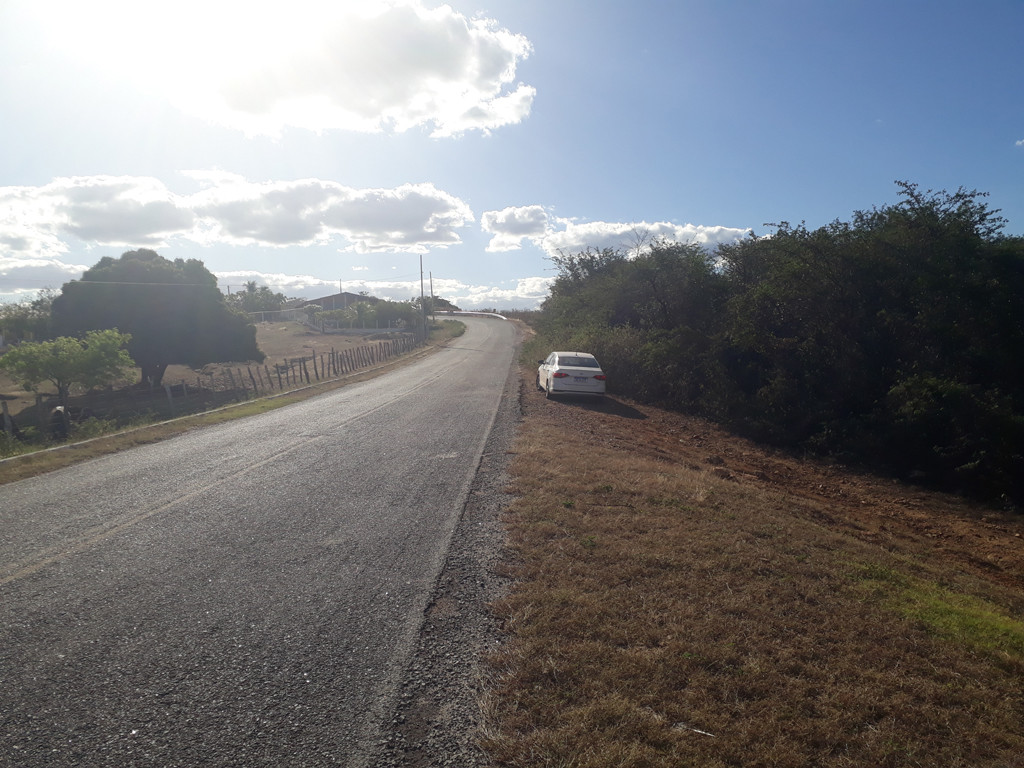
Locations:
column 578, row 362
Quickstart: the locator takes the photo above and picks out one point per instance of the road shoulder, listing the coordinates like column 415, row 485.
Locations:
column 437, row 717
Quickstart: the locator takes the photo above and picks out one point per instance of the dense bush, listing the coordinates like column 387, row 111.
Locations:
column 894, row 340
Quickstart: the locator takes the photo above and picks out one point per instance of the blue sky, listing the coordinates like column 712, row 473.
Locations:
column 317, row 145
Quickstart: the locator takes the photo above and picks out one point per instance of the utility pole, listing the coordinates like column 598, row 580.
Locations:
column 433, row 312
column 423, row 304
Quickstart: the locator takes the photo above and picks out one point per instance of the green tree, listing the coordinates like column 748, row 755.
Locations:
column 396, row 314
column 365, row 313
column 28, row 320
column 173, row 310
column 67, row 363
column 256, row 298
column 894, row 339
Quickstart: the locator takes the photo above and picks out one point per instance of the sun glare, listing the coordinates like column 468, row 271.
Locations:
column 188, row 52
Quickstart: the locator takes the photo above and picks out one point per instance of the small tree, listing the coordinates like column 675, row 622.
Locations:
column 69, row 363
column 27, row 321
column 365, row 313
column 256, row 298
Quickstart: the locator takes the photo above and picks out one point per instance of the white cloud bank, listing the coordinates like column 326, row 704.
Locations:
column 511, row 226
column 526, row 293
column 410, row 218
column 38, row 225
column 36, row 222
column 358, row 65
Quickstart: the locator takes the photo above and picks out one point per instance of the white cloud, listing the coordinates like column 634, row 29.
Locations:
column 511, row 226
column 290, row 285
column 409, row 219
column 366, row 65
column 118, row 210
column 39, row 225
column 38, row 222
column 526, row 293
column 624, row 236
column 1020, row 143
column 22, row 278
column 103, row 210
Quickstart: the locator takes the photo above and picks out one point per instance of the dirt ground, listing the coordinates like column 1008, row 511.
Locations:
column 985, row 542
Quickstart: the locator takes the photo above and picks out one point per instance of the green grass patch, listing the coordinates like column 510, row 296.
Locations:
column 965, row 619
column 970, row 621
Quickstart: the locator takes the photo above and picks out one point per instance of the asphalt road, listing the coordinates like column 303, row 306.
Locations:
column 247, row 594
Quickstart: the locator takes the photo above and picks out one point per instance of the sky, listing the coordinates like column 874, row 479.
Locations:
column 347, row 145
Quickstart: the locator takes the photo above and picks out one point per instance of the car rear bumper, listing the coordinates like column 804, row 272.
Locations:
column 558, row 388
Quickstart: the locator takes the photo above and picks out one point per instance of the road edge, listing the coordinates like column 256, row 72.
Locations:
column 437, row 718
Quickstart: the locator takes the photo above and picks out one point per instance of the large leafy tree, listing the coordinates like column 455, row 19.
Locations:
column 67, row 363
column 173, row 310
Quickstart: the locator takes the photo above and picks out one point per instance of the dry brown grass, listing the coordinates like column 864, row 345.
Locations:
column 682, row 598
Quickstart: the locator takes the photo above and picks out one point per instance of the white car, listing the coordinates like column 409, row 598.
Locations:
column 571, row 373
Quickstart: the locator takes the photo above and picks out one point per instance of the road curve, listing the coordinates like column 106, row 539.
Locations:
column 246, row 594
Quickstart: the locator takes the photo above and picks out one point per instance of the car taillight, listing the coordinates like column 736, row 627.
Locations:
column 559, row 375
column 600, row 377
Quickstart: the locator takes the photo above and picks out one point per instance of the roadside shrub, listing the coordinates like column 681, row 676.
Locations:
column 91, row 428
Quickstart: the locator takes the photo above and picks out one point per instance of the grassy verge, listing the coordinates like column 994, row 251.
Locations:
column 36, row 460
column 668, row 615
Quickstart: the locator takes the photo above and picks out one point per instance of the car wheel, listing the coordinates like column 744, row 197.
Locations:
column 548, row 393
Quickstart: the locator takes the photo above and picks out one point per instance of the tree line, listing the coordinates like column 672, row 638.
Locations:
column 893, row 341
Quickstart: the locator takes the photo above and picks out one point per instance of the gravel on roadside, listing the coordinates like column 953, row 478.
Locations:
column 436, row 719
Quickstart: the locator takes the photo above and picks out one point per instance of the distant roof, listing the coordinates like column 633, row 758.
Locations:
column 341, row 300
